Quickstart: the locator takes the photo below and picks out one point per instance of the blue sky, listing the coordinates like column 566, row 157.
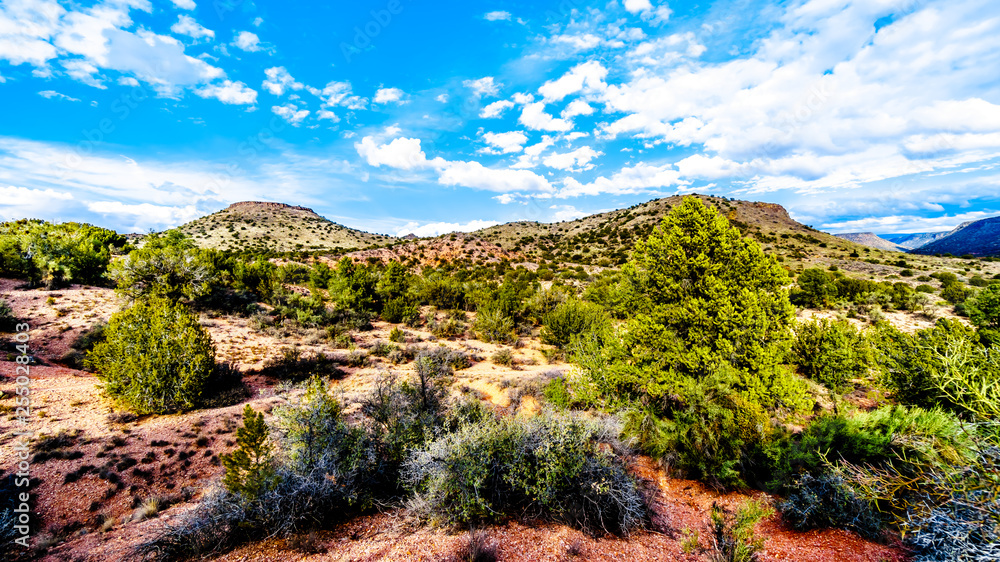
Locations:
column 401, row 116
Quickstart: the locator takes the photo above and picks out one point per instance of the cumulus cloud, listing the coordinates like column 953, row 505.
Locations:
column 633, row 179
column 512, row 141
column 586, row 78
column 290, row 113
column 339, row 94
column 483, row 87
column 406, row 154
column 439, row 228
column 575, row 160
column 533, row 116
column 229, row 92
column 247, row 41
column 495, row 109
column 184, row 4
column 278, row 80
column 389, row 95
column 186, row 25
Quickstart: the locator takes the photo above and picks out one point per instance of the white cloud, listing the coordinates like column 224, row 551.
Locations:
column 657, row 15
column 495, row 109
column 587, row 77
column 439, row 228
column 576, row 107
column 534, row 117
column 566, row 213
column 576, row 160
column 443, row 98
column 636, row 6
column 580, row 42
column 247, row 41
column 339, row 94
column 512, row 141
column 483, row 87
column 635, row 179
column 389, row 95
column 402, row 153
column 257, row 21
column 184, row 4
column 49, row 94
column 497, row 15
column 406, row 154
column 128, row 81
column 278, row 80
column 290, row 113
column 186, row 25
column 229, row 92
column 327, row 114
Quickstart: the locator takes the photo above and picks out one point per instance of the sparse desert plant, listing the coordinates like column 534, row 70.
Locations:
column 7, row 318
column 477, row 547
column 504, row 357
column 733, row 534
column 155, row 357
column 396, row 335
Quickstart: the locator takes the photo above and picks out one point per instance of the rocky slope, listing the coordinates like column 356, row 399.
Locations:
column 872, row 240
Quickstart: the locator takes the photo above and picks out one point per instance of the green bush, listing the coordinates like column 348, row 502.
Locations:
column 504, row 357
column 550, row 465
column 396, row 335
column 831, row 353
column 400, row 309
column 735, row 539
column 816, row 289
column 492, row 325
column 828, row 501
column 572, row 318
column 172, row 269
column 155, row 357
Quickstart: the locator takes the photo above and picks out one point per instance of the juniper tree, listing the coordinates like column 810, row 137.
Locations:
column 249, row 471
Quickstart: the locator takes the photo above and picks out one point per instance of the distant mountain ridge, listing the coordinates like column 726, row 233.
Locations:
column 977, row 238
column 914, row 240
column 872, row 240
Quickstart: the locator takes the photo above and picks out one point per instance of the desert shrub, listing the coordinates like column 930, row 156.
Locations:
column 503, row 357
column 733, row 534
column 7, row 319
column 249, row 469
column 984, row 312
column 550, row 466
column 492, row 325
column 706, row 434
column 56, row 254
column 955, row 293
column 292, row 365
column 167, row 267
column 816, row 289
column 442, row 292
column 396, row 335
column 381, row 349
column 923, row 288
column 831, row 353
column 828, row 500
column 155, row 357
column 571, row 318
column 400, row 309
column 557, row 393
column 948, row 511
column 543, row 302
column 315, row 437
column 447, row 328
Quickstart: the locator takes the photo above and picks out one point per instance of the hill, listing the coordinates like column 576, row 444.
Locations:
column 605, row 238
column 978, row 238
column 872, row 240
column 256, row 225
column 914, row 240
